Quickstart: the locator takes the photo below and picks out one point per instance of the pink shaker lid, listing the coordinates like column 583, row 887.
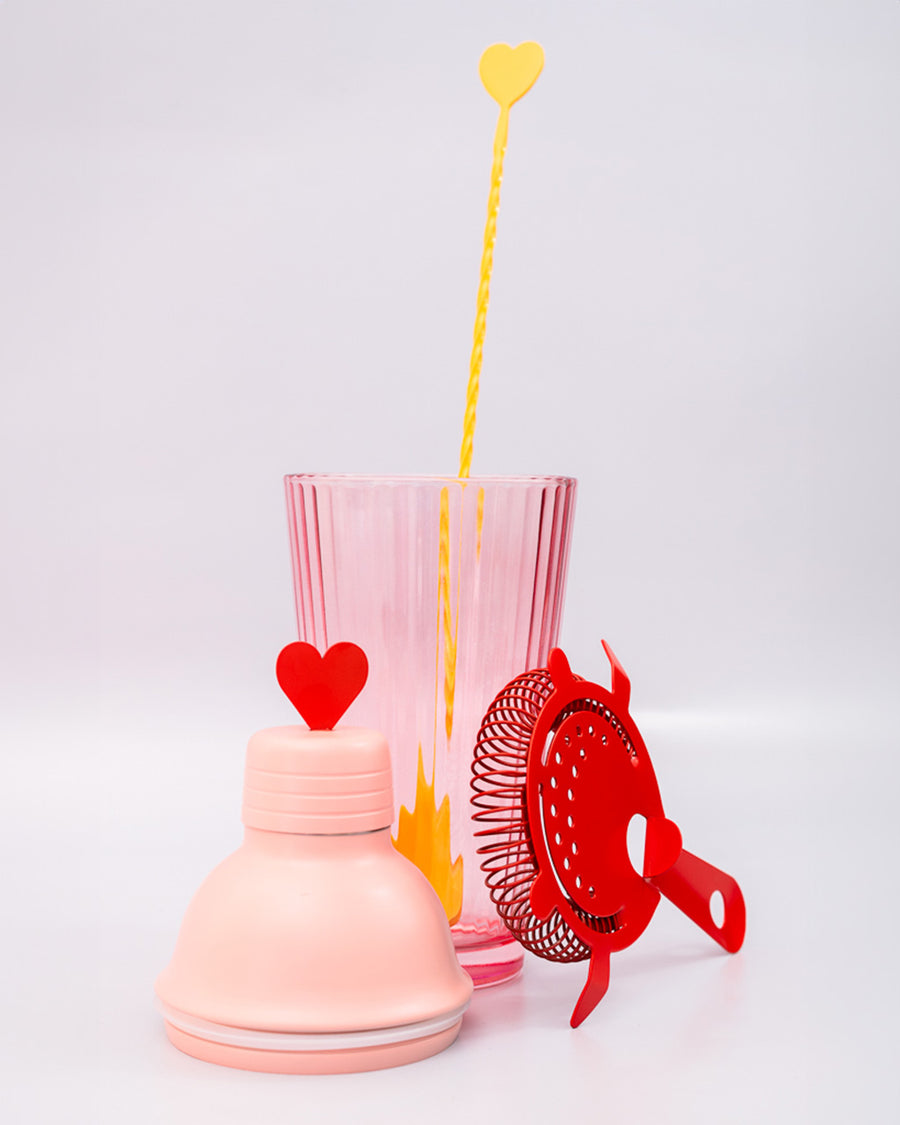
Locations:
column 322, row 782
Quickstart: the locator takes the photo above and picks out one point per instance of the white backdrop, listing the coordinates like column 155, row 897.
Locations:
column 242, row 239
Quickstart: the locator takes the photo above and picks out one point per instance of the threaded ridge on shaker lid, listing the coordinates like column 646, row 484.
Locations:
column 318, row 782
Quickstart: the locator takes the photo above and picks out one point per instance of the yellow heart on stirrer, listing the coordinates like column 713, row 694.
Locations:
column 508, row 73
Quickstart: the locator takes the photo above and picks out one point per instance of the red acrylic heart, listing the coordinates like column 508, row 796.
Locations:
column 322, row 687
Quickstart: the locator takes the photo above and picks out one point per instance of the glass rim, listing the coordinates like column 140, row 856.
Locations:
column 424, row 478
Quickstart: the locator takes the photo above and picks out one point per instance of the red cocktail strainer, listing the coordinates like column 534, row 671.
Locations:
column 560, row 770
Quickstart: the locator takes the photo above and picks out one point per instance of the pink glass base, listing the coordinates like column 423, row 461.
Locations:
column 491, row 962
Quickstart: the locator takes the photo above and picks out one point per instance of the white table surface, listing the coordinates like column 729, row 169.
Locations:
column 106, row 839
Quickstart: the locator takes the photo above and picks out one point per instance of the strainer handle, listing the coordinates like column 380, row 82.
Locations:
column 691, row 883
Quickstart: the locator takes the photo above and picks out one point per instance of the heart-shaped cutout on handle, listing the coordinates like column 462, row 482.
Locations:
column 662, row 845
column 322, row 687
column 508, row 73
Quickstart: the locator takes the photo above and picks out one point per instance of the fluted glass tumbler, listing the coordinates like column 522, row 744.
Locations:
column 453, row 587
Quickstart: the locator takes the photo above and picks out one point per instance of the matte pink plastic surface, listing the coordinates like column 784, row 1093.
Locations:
column 314, row 934
column 316, row 947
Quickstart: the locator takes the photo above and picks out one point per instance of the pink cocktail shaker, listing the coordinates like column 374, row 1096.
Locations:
column 315, row 947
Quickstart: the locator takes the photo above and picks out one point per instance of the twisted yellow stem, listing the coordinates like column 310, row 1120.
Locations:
column 484, row 293
column 448, row 625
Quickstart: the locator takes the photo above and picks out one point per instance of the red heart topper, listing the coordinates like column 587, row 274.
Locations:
column 322, row 687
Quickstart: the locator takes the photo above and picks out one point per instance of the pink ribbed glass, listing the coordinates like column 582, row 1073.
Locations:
column 366, row 557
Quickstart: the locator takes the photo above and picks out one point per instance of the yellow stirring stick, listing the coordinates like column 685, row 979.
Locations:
column 508, row 73
column 423, row 834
